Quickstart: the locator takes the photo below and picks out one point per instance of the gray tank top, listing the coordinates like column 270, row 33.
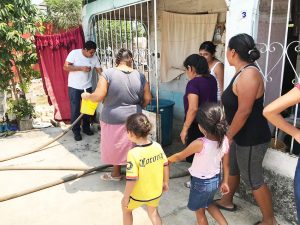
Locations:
column 124, row 97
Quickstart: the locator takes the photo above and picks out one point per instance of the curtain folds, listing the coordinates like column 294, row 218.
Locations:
column 182, row 35
column 52, row 51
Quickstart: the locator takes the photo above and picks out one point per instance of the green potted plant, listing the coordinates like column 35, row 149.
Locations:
column 24, row 112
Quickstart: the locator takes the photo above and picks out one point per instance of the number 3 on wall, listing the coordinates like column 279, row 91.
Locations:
column 244, row 14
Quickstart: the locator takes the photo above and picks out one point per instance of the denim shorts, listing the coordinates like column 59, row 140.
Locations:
column 202, row 192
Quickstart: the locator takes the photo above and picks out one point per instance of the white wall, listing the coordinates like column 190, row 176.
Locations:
column 241, row 18
column 280, row 162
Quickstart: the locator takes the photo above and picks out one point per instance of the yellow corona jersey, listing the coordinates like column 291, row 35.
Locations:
column 145, row 164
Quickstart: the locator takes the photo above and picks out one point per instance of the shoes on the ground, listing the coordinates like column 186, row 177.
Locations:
column 231, row 209
column 88, row 132
column 77, row 137
column 109, row 177
column 187, row 184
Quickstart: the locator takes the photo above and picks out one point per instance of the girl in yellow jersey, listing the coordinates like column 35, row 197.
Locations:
column 147, row 171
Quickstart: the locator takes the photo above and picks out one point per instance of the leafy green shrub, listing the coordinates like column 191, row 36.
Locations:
column 21, row 108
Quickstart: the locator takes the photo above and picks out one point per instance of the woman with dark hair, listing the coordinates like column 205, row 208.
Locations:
column 124, row 91
column 201, row 88
column 207, row 50
column 249, row 133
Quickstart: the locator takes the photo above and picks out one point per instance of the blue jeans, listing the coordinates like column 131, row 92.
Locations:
column 75, row 101
column 297, row 189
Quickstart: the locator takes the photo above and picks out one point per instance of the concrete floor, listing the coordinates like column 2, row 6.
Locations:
column 87, row 200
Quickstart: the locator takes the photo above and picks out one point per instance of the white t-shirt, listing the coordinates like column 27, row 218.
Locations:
column 79, row 79
column 212, row 72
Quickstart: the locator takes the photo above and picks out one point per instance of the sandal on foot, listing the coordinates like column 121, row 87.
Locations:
column 233, row 209
column 109, row 177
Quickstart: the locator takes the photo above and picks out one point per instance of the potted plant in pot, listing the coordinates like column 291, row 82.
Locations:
column 24, row 112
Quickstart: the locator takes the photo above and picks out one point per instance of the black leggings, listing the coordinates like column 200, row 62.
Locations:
column 193, row 134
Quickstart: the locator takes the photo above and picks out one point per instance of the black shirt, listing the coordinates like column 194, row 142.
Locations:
column 256, row 130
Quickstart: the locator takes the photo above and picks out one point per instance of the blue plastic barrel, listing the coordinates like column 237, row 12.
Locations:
column 166, row 114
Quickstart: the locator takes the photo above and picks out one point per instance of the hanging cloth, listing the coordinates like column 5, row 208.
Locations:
column 52, row 51
column 182, row 35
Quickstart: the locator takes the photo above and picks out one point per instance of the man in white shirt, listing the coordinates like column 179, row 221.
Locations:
column 79, row 64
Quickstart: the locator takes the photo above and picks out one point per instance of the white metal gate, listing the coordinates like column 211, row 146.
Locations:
column 133, row 27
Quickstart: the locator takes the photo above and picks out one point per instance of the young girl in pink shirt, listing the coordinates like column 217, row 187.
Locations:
column 211, row 151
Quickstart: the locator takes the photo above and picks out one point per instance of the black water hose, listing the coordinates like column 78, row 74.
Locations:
column 40, row 148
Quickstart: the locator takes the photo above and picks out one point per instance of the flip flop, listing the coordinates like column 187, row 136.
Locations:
column 258, row 222
column 109, row 177
column 233, row 209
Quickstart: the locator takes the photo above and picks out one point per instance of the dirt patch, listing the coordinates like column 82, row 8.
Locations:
column 37, row 96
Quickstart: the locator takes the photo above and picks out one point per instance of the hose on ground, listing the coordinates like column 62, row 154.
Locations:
column 83, row 170
column 75, row 168
column 40, row 148
column 63, row 180
column 53, row 183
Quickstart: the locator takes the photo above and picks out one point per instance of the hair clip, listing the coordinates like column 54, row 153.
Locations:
column 249, row 52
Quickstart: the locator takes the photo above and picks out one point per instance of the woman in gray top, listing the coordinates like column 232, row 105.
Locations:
column 124, row 91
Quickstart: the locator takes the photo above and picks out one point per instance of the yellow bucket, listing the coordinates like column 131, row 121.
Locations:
column 88, row 107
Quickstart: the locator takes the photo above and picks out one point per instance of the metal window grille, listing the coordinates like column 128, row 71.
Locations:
column 126, row 27
column 276, row 52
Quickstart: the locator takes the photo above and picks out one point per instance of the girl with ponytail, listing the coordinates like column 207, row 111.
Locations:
column 201, row 88
column 210, row 151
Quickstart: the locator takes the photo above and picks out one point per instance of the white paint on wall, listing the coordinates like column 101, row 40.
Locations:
column 281, row 163
column 241, row 18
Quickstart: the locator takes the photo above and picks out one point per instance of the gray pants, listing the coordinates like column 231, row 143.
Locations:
column 246, row 161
